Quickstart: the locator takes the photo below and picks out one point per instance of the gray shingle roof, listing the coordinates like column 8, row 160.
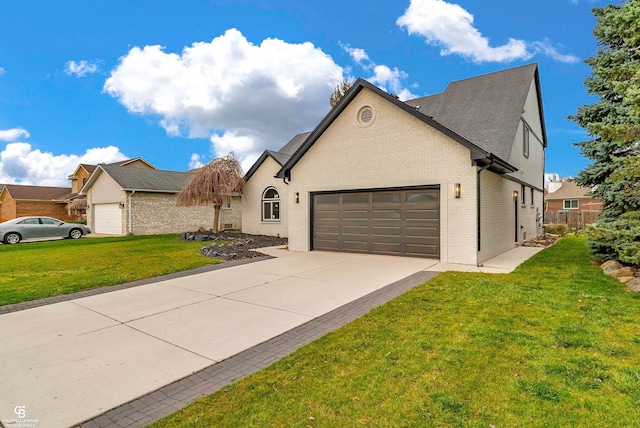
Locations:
column 281, row 156
column 486, row 109
column 149, row 180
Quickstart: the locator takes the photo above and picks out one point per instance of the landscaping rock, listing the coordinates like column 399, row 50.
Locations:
column 610, row 265
column 634, row 285
column 232, row 245
column 619, row 273
column 625, row 279
column 544, row 240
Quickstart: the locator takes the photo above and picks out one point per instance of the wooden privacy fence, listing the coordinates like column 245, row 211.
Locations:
column 573, row 219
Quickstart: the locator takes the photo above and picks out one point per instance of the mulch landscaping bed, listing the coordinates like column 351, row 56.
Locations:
column 233, row 245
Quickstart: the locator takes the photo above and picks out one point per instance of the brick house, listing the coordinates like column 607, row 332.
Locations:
column 77, row 202
column 568, row 195
column 127, row 200
column 18, row 200
column 457, row 176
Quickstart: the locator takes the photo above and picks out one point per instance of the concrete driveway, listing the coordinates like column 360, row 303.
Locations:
column 67, row 362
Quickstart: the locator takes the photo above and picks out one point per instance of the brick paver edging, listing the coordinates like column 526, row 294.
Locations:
column 86, row 293
column 170, row 398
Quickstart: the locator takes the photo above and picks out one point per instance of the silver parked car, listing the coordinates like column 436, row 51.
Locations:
column 14, row 231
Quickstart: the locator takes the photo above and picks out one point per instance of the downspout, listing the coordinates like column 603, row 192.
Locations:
column 287, row 174
column 130, row 213
column 479, row 200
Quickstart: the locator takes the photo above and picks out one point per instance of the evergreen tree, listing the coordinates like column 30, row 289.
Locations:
column 614, row 124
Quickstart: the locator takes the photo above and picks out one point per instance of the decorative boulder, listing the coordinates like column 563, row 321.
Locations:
column 611, row 265
column 634, row 285
column 619, row 273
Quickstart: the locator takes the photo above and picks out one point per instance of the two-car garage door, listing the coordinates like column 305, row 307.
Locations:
column 403, row 222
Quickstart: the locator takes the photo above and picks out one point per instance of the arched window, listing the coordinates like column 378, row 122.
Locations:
column 271, row 205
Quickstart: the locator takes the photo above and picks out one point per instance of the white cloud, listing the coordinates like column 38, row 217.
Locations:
column 387, row 78
column 13, row 134
column 21, row 164
column 2, row 70
column 546, row 48
column 358, row 55
column 81, row 68
column 196, row 161
column 450, row 26
column 244, row 97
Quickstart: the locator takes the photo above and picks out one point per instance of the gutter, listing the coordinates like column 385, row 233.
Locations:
column 130, row 213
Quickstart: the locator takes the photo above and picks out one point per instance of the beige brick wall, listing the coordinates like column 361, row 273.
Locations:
column 232, row 215
column 252, row 201
column 395, row 150
column 498, row 215
column 157, row 213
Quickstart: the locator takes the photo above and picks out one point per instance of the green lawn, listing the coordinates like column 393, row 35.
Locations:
column 35, row 270
column 554, row 344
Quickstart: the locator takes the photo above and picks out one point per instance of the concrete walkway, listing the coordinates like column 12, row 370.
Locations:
column 128, row 357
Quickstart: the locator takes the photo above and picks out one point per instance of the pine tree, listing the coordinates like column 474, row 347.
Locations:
column 614, row 123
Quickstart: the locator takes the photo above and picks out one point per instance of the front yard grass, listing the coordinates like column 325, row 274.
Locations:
column 555, row 343
column 36, row 270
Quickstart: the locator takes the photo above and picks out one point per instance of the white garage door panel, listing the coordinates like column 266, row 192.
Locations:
column 108, row 219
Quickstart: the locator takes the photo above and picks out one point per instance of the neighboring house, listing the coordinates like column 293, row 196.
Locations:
column 456, row 176
column 568, row 195
column 141, row 201
column 18, row 200
column 76, row 202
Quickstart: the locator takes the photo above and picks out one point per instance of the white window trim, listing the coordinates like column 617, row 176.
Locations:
column 564, row 204
column 271, row 202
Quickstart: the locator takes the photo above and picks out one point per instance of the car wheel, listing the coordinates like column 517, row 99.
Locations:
column 75, row 234
column 12, row 238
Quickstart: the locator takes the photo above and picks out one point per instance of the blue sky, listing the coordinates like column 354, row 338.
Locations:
column 180, row 83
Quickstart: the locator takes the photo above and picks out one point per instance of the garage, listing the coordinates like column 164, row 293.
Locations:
column 400, row 222
column 107, row 219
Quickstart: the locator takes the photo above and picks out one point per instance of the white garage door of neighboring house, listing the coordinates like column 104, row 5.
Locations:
column 107, row 219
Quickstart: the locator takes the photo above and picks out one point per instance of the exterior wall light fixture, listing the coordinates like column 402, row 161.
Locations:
column 515, row 195
column 456, row 190
column 121, row 205
column 297, row 197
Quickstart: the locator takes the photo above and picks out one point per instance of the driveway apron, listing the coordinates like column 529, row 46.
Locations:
column 67, row 362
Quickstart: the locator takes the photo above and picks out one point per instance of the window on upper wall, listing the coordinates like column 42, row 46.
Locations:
column 525, row 140
column 570, row 204
column 271, row 205
column 226, row 204
column 523, row 195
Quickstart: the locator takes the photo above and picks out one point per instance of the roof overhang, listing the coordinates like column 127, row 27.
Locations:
column 539, row 94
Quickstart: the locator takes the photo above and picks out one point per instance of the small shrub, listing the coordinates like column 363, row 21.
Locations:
column 78, row 221
column 556, row 229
